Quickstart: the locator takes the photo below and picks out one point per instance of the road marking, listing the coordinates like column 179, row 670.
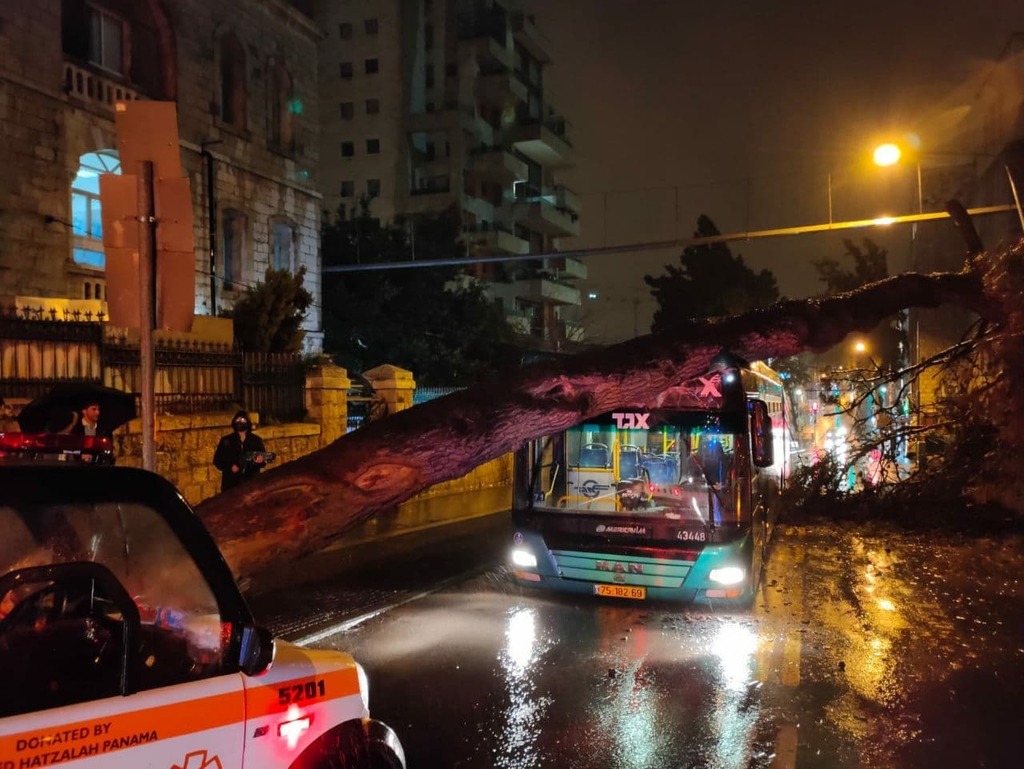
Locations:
column 791, row 660
column 785, row 748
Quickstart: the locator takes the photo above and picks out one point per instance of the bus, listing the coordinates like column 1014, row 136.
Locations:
column 674, row 499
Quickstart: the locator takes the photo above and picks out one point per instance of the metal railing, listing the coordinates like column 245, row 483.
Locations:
column 37, row 351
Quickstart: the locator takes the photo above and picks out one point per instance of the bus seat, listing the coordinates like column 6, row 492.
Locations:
column 629, row 462
column 594, row 455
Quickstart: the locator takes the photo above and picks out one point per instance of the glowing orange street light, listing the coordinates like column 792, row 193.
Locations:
column 890, row 154
column 887, row 154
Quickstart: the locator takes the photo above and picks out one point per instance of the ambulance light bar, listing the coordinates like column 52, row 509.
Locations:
column 32, row 445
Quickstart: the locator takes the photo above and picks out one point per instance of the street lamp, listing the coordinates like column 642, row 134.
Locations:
column 890, row 154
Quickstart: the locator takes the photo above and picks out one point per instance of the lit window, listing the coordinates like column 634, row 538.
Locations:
column 86, row 222
column 106, row 40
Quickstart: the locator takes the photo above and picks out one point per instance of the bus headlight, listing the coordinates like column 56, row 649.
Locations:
column 730, row 575
column 524, row 559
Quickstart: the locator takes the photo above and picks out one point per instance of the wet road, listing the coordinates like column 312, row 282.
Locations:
column 864, row 650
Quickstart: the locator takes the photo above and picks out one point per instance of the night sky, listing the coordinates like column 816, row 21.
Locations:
column 741, row 110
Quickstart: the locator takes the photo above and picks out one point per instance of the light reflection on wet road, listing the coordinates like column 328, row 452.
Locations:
column 864, row 650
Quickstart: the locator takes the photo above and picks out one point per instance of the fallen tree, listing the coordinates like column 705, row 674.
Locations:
column 302, row 506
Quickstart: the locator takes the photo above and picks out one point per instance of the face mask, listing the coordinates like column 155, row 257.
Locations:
column 241, row 427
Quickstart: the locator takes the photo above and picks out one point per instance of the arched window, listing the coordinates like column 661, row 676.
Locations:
column 283, row 107
column 98, row 291
column 88, row 290
column 232, row 81
column 86, row 223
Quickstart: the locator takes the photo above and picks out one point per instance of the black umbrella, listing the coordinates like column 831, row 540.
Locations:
column 116, row 407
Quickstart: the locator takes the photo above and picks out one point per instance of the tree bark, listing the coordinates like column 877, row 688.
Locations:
column 302, row 506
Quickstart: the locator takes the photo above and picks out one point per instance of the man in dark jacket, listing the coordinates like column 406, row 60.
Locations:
column 240, row 454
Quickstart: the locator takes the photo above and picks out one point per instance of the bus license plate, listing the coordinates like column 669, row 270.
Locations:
column 621, row 591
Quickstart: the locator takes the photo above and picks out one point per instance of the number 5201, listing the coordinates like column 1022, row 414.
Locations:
column 309, row 690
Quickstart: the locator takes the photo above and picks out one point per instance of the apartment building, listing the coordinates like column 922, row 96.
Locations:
column 243, row 74
column 980, row 163
column 440, row 105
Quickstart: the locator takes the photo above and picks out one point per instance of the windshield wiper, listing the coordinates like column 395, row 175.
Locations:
column 535, row 472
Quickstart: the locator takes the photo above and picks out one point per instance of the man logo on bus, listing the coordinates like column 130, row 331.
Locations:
column 631, row 421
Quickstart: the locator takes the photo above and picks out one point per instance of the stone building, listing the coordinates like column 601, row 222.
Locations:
column 243, row 74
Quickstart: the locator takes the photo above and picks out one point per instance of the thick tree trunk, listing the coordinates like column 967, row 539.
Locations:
column 302, row 506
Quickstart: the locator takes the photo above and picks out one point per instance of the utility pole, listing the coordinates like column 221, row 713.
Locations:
column 147, row 312
column 148, row 242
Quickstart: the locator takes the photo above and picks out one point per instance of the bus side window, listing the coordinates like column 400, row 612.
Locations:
column 763, row 448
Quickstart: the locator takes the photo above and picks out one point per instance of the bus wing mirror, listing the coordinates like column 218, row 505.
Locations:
column 762, row 443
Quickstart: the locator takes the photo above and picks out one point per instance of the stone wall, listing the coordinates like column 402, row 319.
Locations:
column 185, row 446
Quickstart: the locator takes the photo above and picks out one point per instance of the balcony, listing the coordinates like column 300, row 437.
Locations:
column 568, row 268
column 567, row 199
column 494, row 239
column 501, row 89
column 497, row 164
column 489, row 53
column 546, row 143
column 83, row 84
column 542, row 214
column 544, row 291
column 531, row 38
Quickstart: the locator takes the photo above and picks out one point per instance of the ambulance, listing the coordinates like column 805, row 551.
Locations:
column 126, row 644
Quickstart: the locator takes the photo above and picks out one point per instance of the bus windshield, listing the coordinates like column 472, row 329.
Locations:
column 674, row 465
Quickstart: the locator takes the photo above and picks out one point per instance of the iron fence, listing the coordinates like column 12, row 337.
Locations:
column 41, row 348
column 274, row 384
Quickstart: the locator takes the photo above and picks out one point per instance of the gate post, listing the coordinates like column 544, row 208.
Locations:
column 327, row 400
column 394, row 387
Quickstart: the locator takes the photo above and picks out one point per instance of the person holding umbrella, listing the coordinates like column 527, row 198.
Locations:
column 240, row 454
column 89, row 424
